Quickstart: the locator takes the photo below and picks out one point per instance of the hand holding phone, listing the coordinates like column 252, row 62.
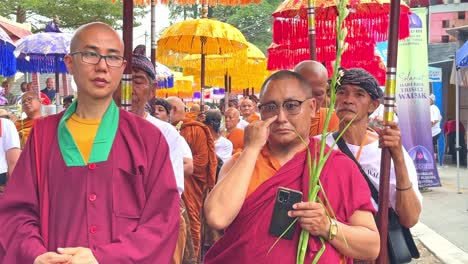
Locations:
column 280, row 220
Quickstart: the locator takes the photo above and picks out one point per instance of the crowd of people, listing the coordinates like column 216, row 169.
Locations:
column 165, row 183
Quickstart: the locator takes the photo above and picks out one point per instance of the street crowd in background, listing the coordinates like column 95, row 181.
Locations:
column 173, row 182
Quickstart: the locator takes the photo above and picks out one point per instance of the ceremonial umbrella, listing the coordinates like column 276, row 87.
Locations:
column 44, row 53
column 183, row 87
column 164, row 76
column 366, row 24
column 7, row 57
column 247, row 69
column 200, row 36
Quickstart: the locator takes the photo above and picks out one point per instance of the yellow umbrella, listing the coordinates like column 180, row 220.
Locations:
column 252, row 58
column 247, row 69
column 200, row 36
column 183, row 87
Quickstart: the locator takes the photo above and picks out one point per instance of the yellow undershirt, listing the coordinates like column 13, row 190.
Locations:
column 83, row 132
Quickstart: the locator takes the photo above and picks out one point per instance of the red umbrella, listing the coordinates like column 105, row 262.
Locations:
column 366, row 25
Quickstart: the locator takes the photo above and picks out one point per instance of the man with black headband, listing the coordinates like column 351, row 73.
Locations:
column 159, row 108
column 357, row 96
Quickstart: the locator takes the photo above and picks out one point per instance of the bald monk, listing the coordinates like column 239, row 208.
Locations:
column 201, row 143
column 316, row 75
column 194, row 112
column 247, row 108
column 31, row 105
column 94, row 189
column 233, row 133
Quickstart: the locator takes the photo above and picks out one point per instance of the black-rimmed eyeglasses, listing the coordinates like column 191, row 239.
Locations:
column 292, row 107
column 94, row 58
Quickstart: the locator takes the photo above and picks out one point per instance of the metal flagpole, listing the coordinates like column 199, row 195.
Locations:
column 457, row 125
column 126, row 83
column 153, row 32
column 312, row 33
column 389, row 104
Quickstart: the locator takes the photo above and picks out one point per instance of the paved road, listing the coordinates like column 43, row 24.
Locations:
column 445, row 211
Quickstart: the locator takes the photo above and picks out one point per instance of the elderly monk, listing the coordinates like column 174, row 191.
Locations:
column 201, row 143
column 316, row 75
column 233, row 133
column 92, row 187
column 31, row 105
column 275, row 156
column 247, row 108
column 194, row 112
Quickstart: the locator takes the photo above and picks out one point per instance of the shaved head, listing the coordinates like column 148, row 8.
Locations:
column 195, row 108
column 317, row 76
column 177, row 109
column 232, row 118
column 233, row 111
column 30, row 94
column 284, row 75
column 76, row 39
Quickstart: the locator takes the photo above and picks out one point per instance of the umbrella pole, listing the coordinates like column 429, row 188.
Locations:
column 153, row 32
column 311, row 20
column 126, row 84
column 389, row 104
column 226, row 92
column 57, row 86
column 457, row 125
column 202, row 76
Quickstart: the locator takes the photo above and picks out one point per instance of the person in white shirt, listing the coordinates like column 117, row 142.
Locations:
column 223, row 147
column 358, row 95
column 143, row 74
column 436, row 118
column 160, row 108
column 10, row 149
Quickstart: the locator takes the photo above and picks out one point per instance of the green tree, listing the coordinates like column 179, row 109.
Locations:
column 254, row 21
column 72, row 13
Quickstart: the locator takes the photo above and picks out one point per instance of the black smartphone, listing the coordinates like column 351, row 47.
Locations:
column 280, row 221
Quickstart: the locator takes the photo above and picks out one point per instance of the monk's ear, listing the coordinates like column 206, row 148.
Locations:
column 313, row 106
column 68, row 59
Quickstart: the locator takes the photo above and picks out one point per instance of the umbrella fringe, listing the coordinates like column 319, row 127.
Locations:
column 7, row 60
column 40, row 64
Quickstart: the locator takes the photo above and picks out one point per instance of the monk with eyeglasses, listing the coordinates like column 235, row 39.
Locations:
column 274, row 156
column 94, row 183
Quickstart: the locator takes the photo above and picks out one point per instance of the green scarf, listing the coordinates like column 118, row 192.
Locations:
column 103, row 141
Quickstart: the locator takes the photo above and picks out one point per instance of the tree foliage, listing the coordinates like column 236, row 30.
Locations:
column 72, row 13
column 254, row 20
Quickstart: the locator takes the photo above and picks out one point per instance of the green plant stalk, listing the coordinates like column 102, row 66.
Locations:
column 315, row 167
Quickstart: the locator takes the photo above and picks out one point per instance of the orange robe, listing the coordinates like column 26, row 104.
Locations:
column 253, row 117
column 317, row 123
column 237, row 139
column 192, row 115
column 201, row 143
column 24, row 129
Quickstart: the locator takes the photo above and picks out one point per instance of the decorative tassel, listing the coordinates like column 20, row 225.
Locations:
column 7, row 59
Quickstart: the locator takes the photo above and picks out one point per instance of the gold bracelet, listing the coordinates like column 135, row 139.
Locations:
column 404, row 189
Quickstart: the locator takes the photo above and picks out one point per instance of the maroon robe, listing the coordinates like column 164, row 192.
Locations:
column 247, row 239
column 126, row 209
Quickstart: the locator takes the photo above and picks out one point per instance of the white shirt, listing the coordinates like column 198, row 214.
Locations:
column 186, row 151
column 370, row 163
column 9, row 140
column 242, row 124
column 174, row 140
column 223, row 148
column 435, row 115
